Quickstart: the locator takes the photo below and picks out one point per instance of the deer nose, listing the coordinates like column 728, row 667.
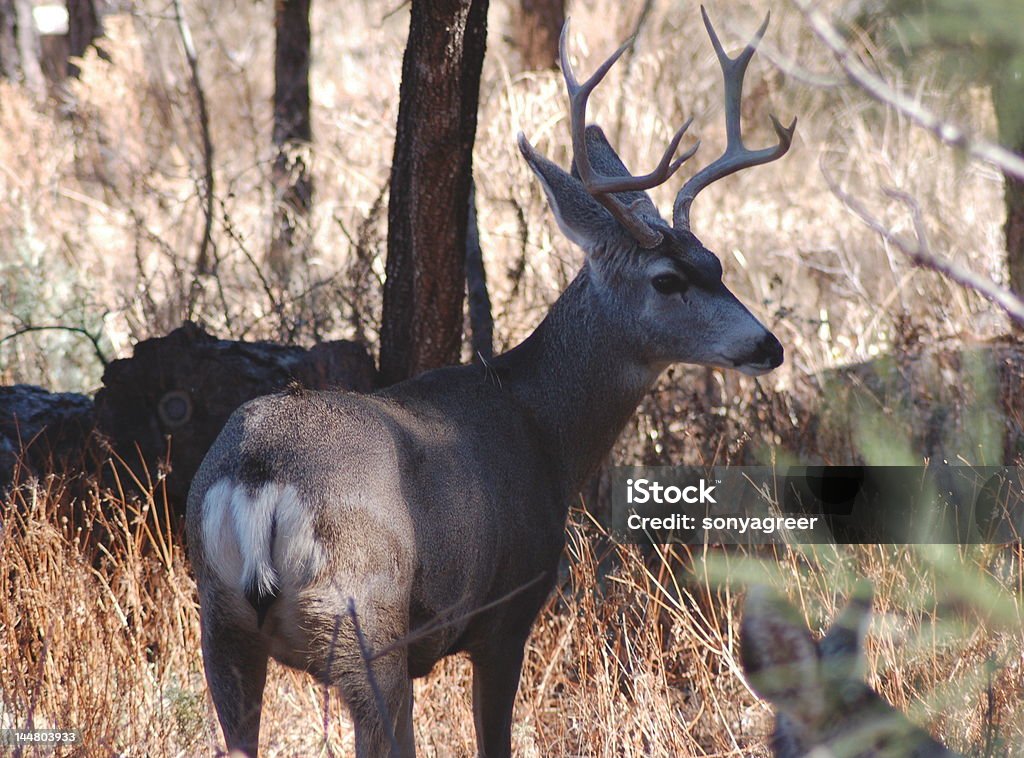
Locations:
column 768, row 352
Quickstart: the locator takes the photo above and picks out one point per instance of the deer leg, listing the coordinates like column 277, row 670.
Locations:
column 236, row 672
column 376, row 690
column 495, row 682
column 403, row 727
column 381, row 713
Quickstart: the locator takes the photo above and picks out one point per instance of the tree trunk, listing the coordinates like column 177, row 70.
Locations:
column 293, row 187
column 1014, row 228
column 19, row 46
column 83, row 28
column 537, row 25
column 430, row 177
column 1008, row 100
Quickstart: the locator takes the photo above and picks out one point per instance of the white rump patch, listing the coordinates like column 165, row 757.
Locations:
column 262, row 539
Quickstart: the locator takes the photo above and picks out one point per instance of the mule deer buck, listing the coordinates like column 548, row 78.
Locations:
column 825, row 709
column 436, row 508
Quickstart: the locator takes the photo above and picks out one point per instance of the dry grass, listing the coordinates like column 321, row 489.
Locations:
column 637, row 653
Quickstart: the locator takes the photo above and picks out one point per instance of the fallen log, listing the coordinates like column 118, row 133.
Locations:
column 42, row 431
column 160, row 410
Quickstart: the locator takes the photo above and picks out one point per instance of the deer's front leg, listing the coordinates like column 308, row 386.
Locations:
column 495, row 682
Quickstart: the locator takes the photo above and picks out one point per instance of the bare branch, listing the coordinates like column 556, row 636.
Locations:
column 94, row 339
column 628, row 59
column 203, row 259
column 880, row 90
column 919, row 251
column 794, row 70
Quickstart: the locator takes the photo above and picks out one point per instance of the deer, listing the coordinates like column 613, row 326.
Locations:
column 363, row 537
column 825, row 709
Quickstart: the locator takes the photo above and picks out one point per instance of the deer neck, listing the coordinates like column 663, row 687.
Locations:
column 580, row 378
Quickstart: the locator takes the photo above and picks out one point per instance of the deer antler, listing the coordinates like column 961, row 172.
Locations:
column 736, row 155
column 602, row 187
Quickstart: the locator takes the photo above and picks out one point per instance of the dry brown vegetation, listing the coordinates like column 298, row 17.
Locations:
column 637, row 654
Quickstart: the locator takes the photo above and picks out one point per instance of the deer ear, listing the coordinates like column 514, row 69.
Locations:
column 842, row 647
column 581, row 218
column 779, row 656
column 607, row 162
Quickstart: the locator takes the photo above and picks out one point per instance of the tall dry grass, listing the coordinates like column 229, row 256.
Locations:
column 636, row 654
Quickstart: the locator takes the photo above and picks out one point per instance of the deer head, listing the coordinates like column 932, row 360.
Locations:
column 660, row 282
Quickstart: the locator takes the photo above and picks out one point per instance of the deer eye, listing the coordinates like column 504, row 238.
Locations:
column 668, row 284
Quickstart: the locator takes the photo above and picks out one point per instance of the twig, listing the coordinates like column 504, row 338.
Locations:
column 368, row 658
column 202, row 261
column 41, row 672
column 791, row 68
column 394, row 11
column 919, row 251
column 94, row 339
column 237, row 239
column 641, row 19
column 327, row 689
column 880, row 90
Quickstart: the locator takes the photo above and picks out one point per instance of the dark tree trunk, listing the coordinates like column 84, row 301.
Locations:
column 536, row 26
column 293, row 187
column 83, row 28
column 1008, row 99
column 430, row 178
column 1014, row 229
column 19, row 46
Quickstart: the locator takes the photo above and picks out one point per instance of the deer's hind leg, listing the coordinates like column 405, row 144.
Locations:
column 377, row 690
column 496, row 672
column 236, row 671
column 383, row 723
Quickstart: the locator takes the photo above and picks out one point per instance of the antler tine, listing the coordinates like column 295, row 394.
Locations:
column 599, row 186
column 736, row 156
